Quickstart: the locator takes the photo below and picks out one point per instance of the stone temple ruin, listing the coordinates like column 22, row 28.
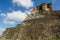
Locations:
column 40, row 11
column 43, row 7
column 42, row 24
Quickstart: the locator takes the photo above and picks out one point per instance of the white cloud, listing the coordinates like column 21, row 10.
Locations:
column 16, row 15
column 2, row 30
column 24, row 3
column 2, row 14
column 6, row 21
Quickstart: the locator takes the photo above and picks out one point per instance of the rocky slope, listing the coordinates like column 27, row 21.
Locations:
column 41, row 26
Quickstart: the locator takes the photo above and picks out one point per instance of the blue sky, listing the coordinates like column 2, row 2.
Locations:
column 13, row 12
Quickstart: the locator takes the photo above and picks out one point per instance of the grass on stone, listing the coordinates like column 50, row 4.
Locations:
column 54, row 39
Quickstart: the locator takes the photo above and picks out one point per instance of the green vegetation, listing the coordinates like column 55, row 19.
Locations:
column 54, row 39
